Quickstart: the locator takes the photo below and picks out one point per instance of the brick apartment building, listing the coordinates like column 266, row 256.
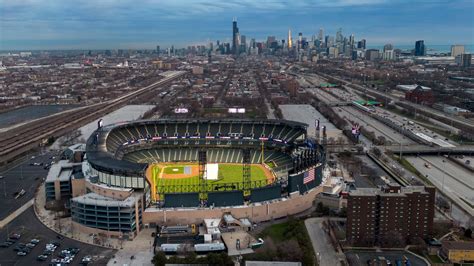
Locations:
column 388, row 215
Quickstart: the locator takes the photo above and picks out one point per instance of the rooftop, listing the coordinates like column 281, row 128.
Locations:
column 382, row 192
column 412, row 87
column 458, row 245
column 61, row 170
column 99, row 200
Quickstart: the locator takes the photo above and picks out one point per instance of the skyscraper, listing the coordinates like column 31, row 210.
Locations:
column 339, row 37
column 466, row 60
column 235, row 37
column 300, row 40
column 321, row 34
column 290, row 41
column 270, row 41
column 352, row 40
column 243, row 43
column 361, row 44
column 457, row 50
column 387, row 47
column 420, row 49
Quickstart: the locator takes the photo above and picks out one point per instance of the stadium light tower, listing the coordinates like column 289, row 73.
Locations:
column 202, row 173
column 246, row 175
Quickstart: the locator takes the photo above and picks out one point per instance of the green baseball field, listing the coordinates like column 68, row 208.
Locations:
column 169, row 175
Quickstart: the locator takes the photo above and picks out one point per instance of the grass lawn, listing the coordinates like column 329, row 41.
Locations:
column 276, row 232
column 281, row 235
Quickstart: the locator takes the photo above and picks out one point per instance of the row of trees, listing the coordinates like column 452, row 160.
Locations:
column 296, row 246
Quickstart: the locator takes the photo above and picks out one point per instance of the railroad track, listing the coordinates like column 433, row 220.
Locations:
column 19, row 140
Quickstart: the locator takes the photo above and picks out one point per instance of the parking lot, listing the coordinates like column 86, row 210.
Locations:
column 29, row 227
column 356, row 258
column 23, row 176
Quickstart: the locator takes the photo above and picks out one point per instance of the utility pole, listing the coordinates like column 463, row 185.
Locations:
column 401, row 151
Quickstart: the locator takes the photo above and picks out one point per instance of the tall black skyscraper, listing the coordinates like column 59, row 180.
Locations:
column 361, row 44
column 420, row 49
column 235, row 38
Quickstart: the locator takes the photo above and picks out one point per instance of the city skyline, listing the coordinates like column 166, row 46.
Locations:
column 109, row 25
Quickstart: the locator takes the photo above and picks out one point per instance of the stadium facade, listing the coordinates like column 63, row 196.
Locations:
column 122, row 197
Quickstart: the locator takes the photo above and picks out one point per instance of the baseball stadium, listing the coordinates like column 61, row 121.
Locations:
column 177, row 171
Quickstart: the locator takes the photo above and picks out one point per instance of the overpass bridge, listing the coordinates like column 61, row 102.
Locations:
column 428, row 150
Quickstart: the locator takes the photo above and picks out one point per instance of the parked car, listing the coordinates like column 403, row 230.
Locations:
column 47, row 252
column 5, row 245
column 41, row 258
column 15, row 236
column 86, row 259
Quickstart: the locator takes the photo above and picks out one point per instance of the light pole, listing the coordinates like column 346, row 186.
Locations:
column 444, row 175
column 416, row 102
column 401, row 147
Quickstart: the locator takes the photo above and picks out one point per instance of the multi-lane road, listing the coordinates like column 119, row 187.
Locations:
column 450, row 179
column 458, row 122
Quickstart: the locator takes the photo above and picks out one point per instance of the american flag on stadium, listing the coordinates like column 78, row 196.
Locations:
column 308, row 176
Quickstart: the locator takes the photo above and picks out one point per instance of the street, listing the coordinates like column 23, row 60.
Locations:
column 323, row 248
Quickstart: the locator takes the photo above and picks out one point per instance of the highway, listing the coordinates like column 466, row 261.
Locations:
column 449, row 178
column 19, row 140
column 455, row 121
column 435, row 150
column 371, row 124
column 390, row 119
column 351, row 113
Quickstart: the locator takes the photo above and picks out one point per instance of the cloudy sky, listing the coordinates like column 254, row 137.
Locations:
column 99, row 24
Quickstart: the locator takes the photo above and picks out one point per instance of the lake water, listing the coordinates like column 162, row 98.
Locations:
column 430, row 49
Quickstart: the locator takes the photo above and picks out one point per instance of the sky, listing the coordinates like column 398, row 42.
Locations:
column 140, row 24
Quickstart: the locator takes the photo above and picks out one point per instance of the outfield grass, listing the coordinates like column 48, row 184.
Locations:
column 234, row 173
column 228, row 173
